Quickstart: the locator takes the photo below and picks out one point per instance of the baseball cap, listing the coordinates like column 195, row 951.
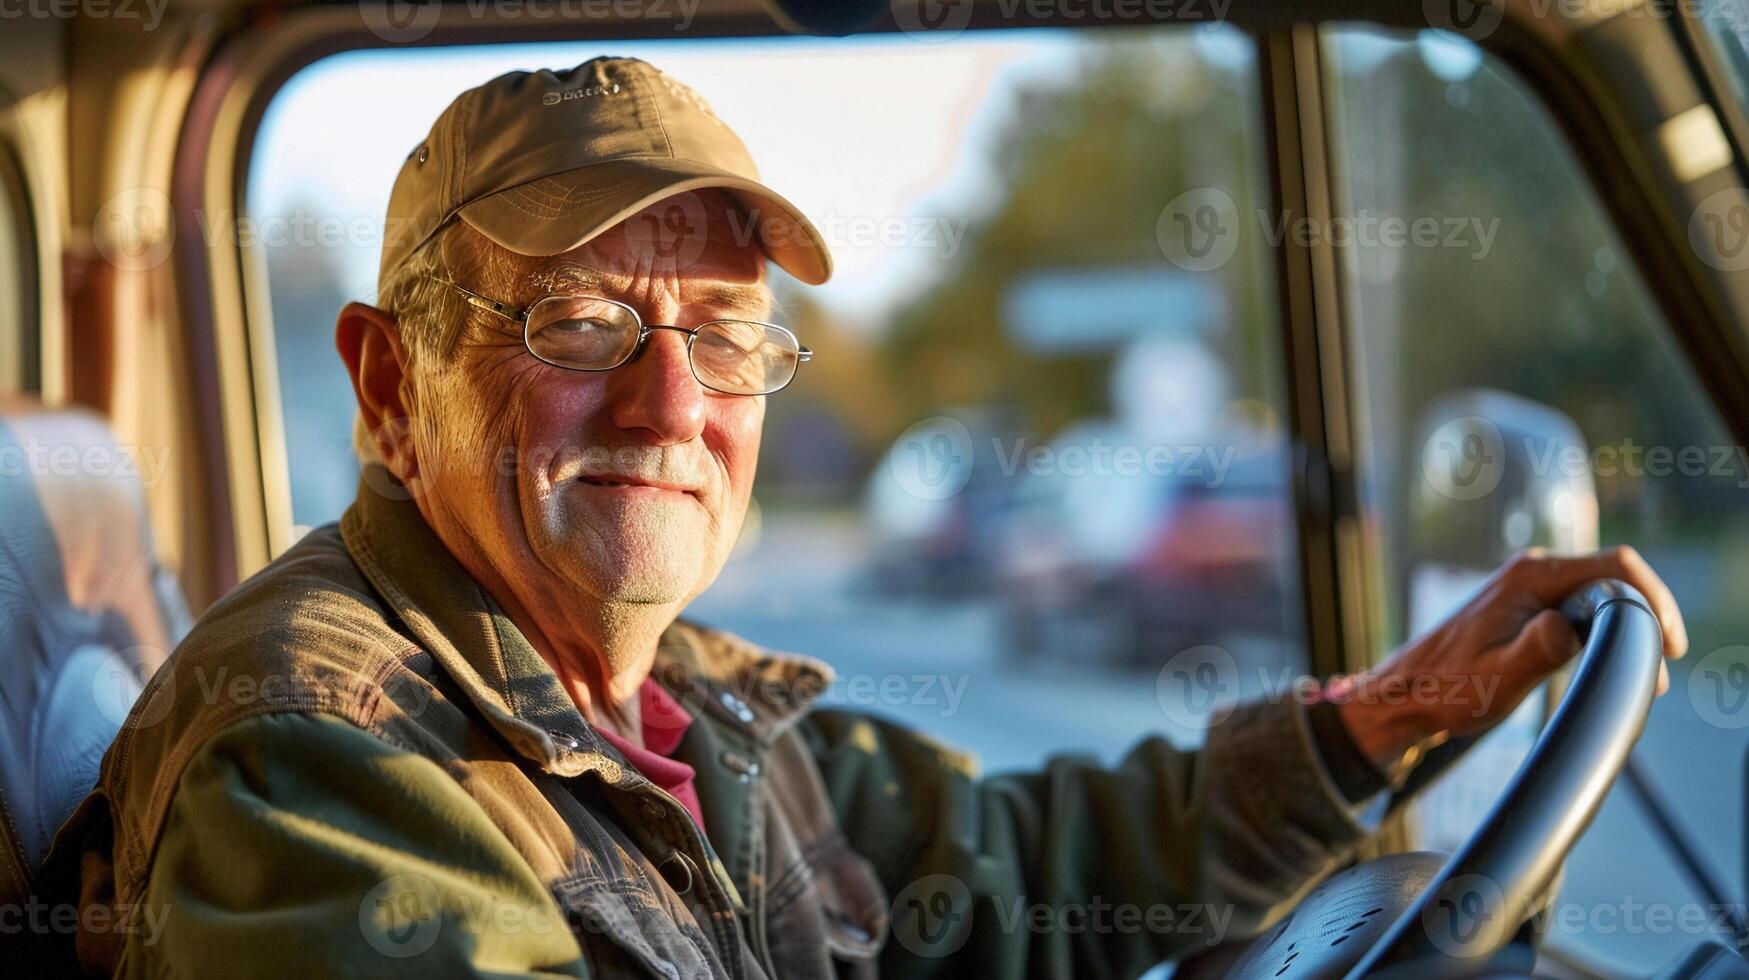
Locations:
column 541, row 162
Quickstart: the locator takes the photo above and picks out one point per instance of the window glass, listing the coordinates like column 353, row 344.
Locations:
column 1518, row 387
column 1727, row 26
column 1030, row 494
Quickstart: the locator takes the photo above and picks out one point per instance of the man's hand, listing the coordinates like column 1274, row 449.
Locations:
column 1473, row 669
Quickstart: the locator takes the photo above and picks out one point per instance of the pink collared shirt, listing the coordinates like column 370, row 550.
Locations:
column 664, row 724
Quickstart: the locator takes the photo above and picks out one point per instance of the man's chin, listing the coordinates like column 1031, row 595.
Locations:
column 645, row 552
column 633, row 576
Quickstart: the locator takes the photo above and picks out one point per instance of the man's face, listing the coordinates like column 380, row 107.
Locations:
column 631, row 483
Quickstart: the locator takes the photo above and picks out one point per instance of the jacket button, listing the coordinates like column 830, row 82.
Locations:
column 740, row 765
column 565, row 739
column 737, row 707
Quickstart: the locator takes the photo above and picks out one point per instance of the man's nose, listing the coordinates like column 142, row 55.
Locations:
column 657, row 393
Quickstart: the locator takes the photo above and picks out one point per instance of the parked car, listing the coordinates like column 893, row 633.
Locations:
column 1131, row 569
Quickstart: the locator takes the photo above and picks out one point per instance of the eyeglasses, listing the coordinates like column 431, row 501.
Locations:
column 590, row 333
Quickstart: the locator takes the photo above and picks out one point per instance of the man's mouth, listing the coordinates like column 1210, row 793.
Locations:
column 637, row 484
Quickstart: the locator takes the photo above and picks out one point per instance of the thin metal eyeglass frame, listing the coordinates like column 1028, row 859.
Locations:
column 508, row 312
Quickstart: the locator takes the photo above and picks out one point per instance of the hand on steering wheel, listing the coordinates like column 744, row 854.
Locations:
column 1470, row 672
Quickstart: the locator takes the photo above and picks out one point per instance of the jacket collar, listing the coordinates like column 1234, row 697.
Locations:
column 711, row 672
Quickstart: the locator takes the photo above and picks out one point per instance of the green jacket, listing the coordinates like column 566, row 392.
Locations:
column 356, row 766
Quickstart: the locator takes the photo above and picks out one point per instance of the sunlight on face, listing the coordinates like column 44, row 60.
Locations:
column 630, row 484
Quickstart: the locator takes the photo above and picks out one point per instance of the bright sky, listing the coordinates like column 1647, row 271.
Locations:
column 873, row 138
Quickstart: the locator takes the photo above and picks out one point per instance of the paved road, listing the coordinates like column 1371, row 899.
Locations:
column 939, row 667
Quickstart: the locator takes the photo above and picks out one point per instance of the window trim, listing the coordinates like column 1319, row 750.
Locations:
column 1334, row 562
column 29, row 347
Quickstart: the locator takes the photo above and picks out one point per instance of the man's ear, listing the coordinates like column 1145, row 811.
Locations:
column 369, row 341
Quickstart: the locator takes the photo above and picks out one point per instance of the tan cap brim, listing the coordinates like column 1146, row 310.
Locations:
column 560, row 212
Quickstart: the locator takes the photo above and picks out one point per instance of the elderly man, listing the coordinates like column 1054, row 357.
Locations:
column 463, row 732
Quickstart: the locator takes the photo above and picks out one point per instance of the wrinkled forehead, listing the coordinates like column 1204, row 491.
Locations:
column 699, row 246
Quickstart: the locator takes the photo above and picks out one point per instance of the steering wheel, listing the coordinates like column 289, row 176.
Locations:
column 1424, row 915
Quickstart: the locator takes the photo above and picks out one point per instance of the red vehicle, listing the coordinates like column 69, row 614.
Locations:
column 1086, row 558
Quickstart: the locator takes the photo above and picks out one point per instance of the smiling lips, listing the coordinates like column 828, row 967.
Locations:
column 636, row 484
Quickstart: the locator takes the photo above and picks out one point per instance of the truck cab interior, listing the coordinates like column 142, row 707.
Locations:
column 1396, row 290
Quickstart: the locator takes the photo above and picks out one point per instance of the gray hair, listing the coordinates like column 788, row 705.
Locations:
column 431, row 315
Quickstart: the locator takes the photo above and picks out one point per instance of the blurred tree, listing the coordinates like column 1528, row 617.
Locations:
column 1549, row 307
column 1086, row 168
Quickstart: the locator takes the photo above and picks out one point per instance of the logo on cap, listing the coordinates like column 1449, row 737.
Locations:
column 588, row 91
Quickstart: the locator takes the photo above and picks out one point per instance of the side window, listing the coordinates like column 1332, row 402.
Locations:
column 1031, row 493
column 19, row 327
column 1519, row 387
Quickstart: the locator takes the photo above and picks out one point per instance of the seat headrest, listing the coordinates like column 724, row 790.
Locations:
column 87, row 613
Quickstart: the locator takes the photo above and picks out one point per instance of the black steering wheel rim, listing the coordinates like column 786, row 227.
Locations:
column 1472, row 907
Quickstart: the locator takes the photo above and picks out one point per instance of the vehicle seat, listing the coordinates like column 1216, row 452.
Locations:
column 86, row 615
